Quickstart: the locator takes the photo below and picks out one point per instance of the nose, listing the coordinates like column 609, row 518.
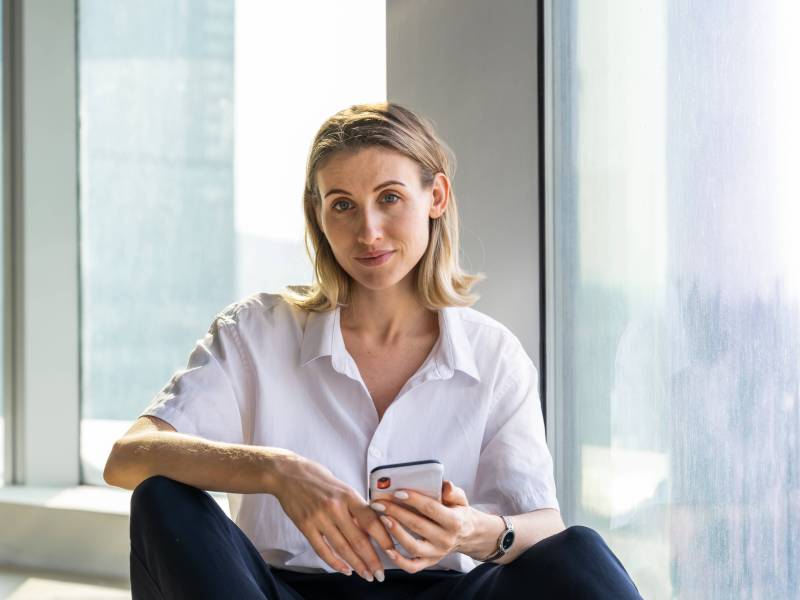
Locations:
column 369, row 227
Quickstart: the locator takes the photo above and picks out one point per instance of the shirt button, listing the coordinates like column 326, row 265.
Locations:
column 375, row 452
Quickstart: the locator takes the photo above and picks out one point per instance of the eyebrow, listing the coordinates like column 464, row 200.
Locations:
column 382, row 185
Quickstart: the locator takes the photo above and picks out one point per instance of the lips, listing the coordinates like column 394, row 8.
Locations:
column 374, row 254
column 376, row 260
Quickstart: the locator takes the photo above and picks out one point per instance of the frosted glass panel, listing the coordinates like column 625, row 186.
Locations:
column 677, row 297
column 195, row 123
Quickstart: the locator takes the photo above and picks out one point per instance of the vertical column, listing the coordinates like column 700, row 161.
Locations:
column 46, row 351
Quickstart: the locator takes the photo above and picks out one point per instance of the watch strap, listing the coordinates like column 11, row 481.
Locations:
column 500, row 550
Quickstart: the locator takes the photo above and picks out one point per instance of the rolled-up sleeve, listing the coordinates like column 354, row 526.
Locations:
column 515, row 469
column 211, row 397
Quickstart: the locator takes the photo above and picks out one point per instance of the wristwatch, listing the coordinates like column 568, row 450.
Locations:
column 504, row 542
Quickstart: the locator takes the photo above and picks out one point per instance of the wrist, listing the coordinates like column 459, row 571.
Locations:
column 486, row 531
column 275, row 465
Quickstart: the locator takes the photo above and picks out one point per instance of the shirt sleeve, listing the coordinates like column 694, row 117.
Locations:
column 515, row 469
column 211, row 397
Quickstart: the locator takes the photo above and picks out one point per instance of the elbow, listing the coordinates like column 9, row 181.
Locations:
column 107, row 471
column 552, row 519
column 558, row 521
column 110, row 471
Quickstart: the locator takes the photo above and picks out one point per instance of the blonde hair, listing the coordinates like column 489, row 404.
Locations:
column 440, row 280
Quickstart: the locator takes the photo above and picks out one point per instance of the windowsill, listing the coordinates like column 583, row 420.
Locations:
column 88, row 498
column 83, row 529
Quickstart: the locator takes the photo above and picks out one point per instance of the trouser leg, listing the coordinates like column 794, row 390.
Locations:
column 184, row 546
column 573, row 564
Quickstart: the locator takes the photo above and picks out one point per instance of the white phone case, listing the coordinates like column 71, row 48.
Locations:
column 424, row 476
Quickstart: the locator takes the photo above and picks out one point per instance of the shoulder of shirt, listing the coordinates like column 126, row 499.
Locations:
column 500, row 350
column 256, row 303
column 473, row 319
column 482, row 328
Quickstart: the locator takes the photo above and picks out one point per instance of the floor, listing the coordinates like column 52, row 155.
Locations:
column 21, row 584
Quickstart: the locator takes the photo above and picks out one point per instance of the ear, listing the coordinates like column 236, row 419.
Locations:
column 440, row 190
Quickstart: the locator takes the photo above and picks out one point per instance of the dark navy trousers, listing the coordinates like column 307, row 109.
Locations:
column 184, row 546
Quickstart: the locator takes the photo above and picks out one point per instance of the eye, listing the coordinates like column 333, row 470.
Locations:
column 337, row 203
column 392, row 195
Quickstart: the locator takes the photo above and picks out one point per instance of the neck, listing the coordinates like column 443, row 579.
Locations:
column 387, row 316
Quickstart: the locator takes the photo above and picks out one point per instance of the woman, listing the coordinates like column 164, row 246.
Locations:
column 291, row 400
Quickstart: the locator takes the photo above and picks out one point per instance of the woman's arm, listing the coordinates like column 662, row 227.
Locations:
column 331, row 514
column 529, row 528
column 202, row 463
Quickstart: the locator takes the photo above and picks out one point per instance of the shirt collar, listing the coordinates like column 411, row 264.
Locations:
column 323, row 337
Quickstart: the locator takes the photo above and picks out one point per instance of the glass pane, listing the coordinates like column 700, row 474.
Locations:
column 174, row 229
column 677, row 311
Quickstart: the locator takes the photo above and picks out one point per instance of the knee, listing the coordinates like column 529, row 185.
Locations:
column 580, row 536
column 153, row 495
column 573, row 541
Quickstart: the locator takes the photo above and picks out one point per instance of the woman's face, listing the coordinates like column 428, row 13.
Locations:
column 373, row 203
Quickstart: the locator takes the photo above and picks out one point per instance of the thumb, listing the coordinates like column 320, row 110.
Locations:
column 452, row 494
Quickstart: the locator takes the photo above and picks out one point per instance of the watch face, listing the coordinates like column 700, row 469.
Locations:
column 508, row 540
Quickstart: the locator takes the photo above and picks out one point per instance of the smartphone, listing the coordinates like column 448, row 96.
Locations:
column 424, row 476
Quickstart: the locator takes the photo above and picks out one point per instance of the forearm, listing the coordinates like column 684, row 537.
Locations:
column 205, row 464
column 529, row 528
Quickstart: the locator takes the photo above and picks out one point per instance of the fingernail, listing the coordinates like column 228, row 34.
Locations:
column 379, row 575
column 347, row 572
column 385, row 521
column 392, row 554
column 377, row 506
column 401, row 494
column 368, row 576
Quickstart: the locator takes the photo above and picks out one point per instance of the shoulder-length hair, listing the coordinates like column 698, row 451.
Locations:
column 440, row 281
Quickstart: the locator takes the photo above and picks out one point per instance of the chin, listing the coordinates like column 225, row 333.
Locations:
column 377, row 282
column 376, row 286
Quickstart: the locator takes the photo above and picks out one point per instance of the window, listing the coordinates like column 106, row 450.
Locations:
column 676, row 265
column 195, row 121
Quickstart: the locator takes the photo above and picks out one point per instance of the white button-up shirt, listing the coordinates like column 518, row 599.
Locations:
column 268, row 374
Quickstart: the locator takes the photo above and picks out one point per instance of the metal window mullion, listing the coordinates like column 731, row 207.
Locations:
column 9, row 104
column 554, row 409
column 45, row 353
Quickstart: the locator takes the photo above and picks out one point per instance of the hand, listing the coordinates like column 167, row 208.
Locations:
column 443, row 526
column 331, row 515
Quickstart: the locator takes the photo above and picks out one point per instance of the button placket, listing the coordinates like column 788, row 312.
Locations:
column 376, row 450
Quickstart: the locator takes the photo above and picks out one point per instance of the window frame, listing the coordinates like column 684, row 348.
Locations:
column 553, row 369
column 41, row 309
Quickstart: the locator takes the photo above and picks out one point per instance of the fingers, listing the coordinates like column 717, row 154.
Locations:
column 367, row 520
column 453, row 495
column 413, row 521
column 325, row 552
column 441, row 533
column 362, row 545
column 355, row 550
column 412, row 546
column 427, row 506
column 415, row 547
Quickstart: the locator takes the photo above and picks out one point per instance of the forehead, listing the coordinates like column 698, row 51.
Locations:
column 364, row 168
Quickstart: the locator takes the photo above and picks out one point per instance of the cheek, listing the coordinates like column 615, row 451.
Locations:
column 410, row 228
column 333, row 231
column 412, row 223
column 421, row 231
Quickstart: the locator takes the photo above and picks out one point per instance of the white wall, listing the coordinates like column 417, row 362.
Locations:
column 470, row 66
